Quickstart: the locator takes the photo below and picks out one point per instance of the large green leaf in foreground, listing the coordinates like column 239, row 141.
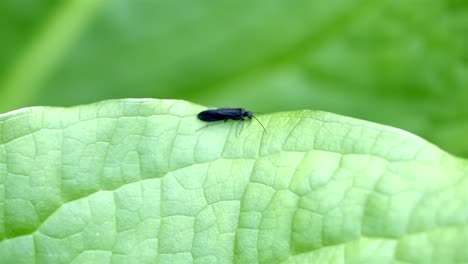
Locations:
column 133, row 181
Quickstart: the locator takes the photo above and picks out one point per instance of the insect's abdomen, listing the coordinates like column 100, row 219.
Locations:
column 221, row 114
column 206, row 116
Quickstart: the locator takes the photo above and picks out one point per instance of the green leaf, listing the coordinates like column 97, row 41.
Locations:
column 402, row 63
column 144, row 181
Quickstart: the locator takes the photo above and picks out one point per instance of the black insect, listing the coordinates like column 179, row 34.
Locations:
column 220, row 114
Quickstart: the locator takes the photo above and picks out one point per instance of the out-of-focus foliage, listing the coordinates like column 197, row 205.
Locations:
column 402, row 63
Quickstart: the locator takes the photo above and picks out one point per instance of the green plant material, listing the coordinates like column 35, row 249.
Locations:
column 138, row 181
column 402, row 63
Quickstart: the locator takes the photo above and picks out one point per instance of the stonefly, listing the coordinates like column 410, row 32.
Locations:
column 224, row 114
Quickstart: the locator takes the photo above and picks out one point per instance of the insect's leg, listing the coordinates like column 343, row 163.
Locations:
column 241, row 125
column 207, row 126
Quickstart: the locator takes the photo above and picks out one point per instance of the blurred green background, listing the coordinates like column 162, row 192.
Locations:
column 398, row 62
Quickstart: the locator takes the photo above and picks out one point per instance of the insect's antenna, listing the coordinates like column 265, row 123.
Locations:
column 259, row 123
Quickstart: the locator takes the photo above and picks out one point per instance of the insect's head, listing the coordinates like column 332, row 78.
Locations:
column 248, row 114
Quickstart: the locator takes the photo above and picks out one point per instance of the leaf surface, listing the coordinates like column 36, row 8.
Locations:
column 138, row 181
